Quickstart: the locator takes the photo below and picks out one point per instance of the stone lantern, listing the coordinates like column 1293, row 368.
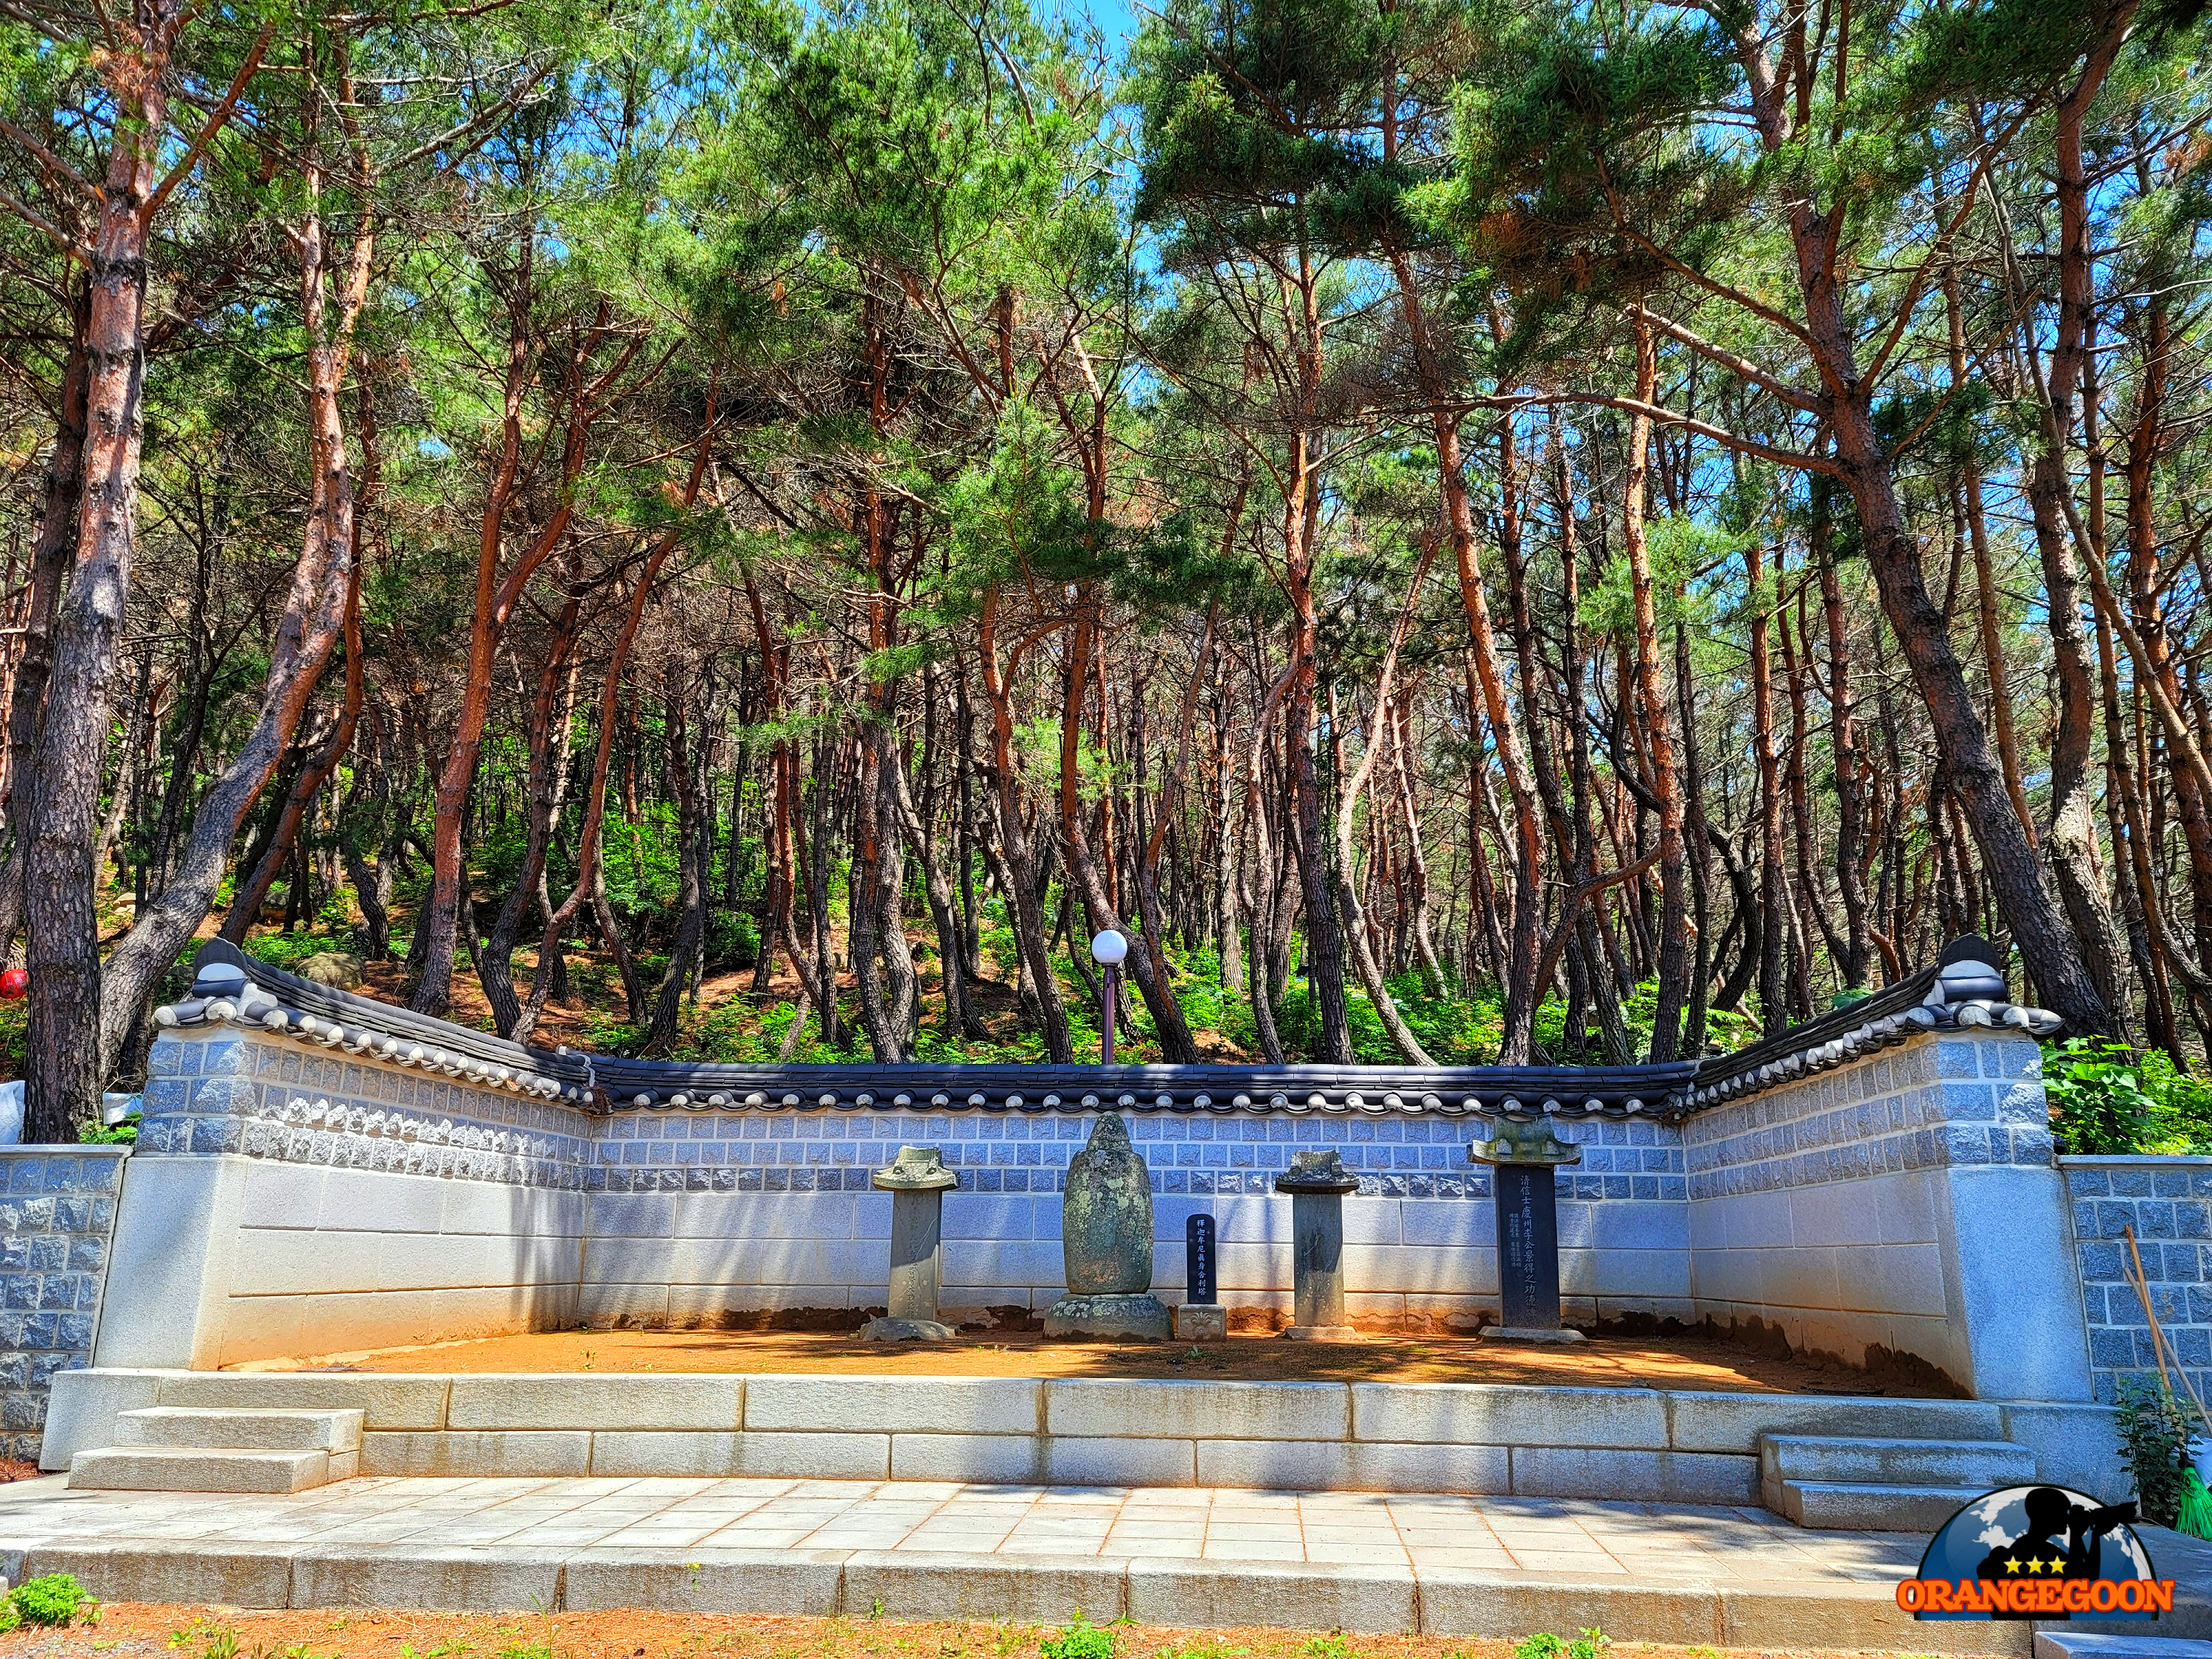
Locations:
column 917, row 1181
column 1317, row 1182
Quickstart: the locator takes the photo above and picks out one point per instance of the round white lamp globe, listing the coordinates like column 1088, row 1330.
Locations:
column 1110, row 948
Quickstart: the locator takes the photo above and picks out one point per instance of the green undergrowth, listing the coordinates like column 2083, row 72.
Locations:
column 1592, row 1643
column 2107, row 1098
column 50, row 1602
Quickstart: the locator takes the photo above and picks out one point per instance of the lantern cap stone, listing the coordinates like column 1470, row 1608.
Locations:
column 915, row 1170
column 1320, row 1171
column 1518, row 1142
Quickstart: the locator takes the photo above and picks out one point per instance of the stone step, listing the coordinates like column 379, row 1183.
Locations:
column 190, row 1468
column 1869, row 1460
column 1864, row 1506
column 235, row 1429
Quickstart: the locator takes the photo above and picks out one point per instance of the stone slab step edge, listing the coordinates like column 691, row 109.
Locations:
column 183, row 1468
column 1865, row 1506
column 1871, row 1460
column 2068, row 1644
column 225, row 1428
column 1043, row 1589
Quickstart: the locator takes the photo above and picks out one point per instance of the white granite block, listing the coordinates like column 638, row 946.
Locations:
column 1429, row 1270
column 1009, row 1262
column 288, row 1195
column 1639, row 1224
column 904, row 1404
column 1465, row 1222
column 570, row 1399
column 992, row 1216
column 632, row 1215
column 373, row 1201
column 1490, row 1415
column 1253, row 1267
column 763, row 1216
column 1088, row 1407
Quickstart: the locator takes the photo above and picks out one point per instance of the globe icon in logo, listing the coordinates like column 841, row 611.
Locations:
column 2038, row 1533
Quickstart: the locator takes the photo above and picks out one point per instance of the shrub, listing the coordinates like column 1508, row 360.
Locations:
column 1080, row 1640
column 2155, row 1429
column 2107, row 1098
column 93, row 1132
column 1592, row 1643
column 54, row 1599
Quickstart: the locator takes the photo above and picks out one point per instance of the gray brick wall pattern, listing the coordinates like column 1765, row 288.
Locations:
column 57, row 1218
column 262, row 1099
column 1956, row 1100
column 2168, row 1202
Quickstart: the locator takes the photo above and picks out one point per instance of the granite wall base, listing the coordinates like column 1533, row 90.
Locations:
column 290, row 1201
column 57, row 1218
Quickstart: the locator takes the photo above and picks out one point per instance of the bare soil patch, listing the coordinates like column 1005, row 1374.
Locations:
column 1681, row 1362
column 132, row 1631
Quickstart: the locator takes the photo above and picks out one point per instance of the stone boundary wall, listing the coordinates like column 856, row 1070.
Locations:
column 285, row 1199
column 1660, row 1445
column 1898, row 1207
column 1901, row 1209
column 704, row 1215
column 291, row 1202
column 2168, row 1202
column 57, row 1218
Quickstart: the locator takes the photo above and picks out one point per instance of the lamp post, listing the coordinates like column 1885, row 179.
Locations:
column 1110, row 950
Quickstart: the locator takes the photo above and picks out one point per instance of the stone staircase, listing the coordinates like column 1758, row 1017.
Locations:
column 219, row 1448
column 1865, row 1484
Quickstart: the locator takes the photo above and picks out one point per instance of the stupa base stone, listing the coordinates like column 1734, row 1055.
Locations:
column 1529, row 1334
column 1321, row 1334
column 1075, row 1318
column 906, row 1330
column 1201, row 1322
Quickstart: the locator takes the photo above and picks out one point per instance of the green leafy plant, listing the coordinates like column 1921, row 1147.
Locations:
column 2098, row 1104
column 93, row 1132
column 54, row 1599
column 2155, row 1429
column 1079, row 1639
column 2108, row 1098
column 1591, row 1643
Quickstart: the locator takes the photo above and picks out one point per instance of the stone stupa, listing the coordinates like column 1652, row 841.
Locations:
column 1106, row 1236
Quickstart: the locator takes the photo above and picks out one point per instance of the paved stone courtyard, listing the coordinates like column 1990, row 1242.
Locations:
column 1624, row 1541
column 1193, row 1558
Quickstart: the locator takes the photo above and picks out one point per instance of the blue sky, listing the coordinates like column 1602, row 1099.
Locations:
column 1115, row 18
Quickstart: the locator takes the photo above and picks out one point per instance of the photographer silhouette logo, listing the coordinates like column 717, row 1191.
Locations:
column 2036, row 1552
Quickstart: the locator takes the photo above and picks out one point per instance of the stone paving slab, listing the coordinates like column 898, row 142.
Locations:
column 1437, row 1563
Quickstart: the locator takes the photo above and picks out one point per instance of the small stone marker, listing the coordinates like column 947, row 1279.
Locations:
column 1522, row 1157
column 917, row 1181
column 1317, row 1182
column 1106, row 1240
column 1201, row 1318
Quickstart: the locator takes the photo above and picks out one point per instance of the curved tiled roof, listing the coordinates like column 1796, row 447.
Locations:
column 1963, row 989
column 1966, row 989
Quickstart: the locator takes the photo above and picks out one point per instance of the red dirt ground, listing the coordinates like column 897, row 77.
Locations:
column 1684, row 1362
column 136, row 1631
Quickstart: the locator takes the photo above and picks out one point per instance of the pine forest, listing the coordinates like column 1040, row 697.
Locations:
column 1558, row 531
